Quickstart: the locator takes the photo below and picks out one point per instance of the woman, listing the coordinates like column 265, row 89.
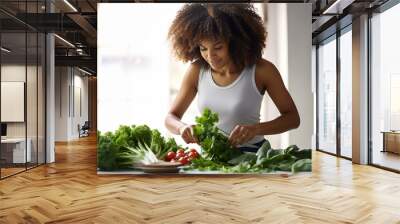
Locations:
column 224, row 42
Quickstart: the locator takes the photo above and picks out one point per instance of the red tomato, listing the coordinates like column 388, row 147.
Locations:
column 179, row 155
column 180, row 151
column 193, row 154
column 170, row 155
column 183, row 160
column 193, row 150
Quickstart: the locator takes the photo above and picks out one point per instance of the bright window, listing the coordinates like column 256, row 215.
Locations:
column 385, row 83
column 327, row 96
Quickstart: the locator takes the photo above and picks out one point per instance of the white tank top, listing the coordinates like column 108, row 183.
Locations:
column 236, row 103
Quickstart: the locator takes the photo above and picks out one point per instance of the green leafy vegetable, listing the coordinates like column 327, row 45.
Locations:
column 273, row 152
column 302, row 153
column 141, row 133
column 248, row 157
column 171, row 145
column 215, row 145
column 144, row 153
column 203, row 164
column 220, row 155
column 262, row 151
column 302, row 165
column 129, row 144
column 112, row 155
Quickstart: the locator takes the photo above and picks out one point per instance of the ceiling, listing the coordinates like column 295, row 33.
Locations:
column 77, row 25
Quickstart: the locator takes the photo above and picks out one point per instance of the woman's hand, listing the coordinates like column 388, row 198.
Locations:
column 242, row 134
column 186, row 132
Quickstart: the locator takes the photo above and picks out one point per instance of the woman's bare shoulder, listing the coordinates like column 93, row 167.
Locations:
column 195, row 67
column 265, row 67
column 266, row 73
column 192, row 73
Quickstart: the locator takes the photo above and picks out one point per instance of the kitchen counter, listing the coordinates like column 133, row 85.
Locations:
column 195, row 173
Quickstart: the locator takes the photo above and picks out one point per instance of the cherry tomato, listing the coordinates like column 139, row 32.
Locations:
column 170, row 155
column 183, row 160
column 179, row 155
column 193, row 154
column 194, row 151
column 180, row 151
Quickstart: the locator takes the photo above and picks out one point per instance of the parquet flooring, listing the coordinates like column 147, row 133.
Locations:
column 10, row 171
column 70, row 191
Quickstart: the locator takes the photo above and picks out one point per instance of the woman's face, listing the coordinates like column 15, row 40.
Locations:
column 215, row 53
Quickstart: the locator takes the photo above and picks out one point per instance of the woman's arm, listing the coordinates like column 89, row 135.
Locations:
column 269, row 78
column 184, row 98
column 272, row 82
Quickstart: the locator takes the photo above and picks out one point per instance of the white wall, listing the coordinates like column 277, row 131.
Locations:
column 61, row 103
column 67, row 115
column 16, row 73
column 276, row 52
column 33, row 127
column 289, row 48
column 134, row 65
column 80, row 83
column 299, row 70
column 12, row 73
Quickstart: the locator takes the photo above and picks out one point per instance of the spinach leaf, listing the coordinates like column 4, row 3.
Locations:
column 302, row 165
column 291, row 149
column 273, row 152
column 303, row 154
column 248, row 157
column 203, row 164
column 262, row 151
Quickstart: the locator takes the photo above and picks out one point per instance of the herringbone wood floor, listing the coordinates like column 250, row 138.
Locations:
column 69, row 191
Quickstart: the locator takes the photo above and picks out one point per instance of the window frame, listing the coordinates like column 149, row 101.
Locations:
column 333, row 37
column 378, row 10
column 31, row 30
